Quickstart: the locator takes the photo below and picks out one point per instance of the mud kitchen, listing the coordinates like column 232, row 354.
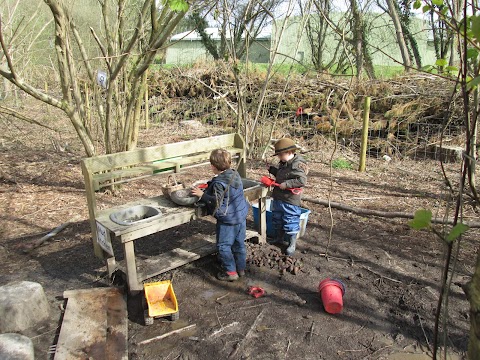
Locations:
column 135, row 220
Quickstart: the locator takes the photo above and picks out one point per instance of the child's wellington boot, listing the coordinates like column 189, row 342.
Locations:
column 278, row 239
column 291, row 239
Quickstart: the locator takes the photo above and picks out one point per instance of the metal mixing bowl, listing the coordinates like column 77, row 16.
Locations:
column 183, row 197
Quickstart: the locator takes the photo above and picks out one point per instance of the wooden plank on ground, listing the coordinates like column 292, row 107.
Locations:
column 94, row 325
column 448, row 153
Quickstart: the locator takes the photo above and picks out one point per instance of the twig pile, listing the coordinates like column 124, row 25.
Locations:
column 403, row 112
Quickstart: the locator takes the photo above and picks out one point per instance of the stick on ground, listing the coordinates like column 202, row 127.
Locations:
column 39, row 242
column 218, row 331
column 167, row 334
column 247, row 336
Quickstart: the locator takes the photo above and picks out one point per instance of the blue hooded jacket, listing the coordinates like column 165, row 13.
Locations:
column 224, row 198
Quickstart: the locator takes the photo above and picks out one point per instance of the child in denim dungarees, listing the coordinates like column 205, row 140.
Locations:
column 225, row 200
column 291, row 172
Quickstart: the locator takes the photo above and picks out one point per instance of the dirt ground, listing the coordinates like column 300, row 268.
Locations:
column 392, row 273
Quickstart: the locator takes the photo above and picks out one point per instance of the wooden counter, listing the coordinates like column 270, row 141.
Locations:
column 173, row 215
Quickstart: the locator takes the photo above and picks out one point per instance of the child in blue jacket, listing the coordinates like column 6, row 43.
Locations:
column 225, row 200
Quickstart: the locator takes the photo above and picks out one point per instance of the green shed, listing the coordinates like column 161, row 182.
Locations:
column 187, row 48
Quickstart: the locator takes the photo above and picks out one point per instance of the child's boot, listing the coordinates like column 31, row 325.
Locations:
column 291, row 239
column 278, row 238
column 227, row 276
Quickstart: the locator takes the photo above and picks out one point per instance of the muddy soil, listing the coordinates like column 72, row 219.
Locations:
column 392, row 273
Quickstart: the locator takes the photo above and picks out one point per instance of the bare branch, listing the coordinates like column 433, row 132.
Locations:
column 103, row 50
column 6, row 52
column 61, row 20
column 16, row 114
column 83, row 52
column 132, row 41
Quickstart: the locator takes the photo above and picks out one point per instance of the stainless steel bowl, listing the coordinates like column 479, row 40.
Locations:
column 183, row 197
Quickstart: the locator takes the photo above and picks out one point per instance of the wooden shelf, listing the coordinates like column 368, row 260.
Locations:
column 191, row 249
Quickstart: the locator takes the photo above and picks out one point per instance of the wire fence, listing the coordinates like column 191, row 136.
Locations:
column 417, row 141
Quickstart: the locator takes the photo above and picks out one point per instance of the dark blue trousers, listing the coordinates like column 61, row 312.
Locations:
column 231, row 246
column 286, row 216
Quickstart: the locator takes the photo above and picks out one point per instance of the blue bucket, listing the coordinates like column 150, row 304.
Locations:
column 270, row 230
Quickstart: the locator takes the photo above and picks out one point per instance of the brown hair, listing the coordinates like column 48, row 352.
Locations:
column 221, row 159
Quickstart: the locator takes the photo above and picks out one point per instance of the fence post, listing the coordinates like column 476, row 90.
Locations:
column 147, row 112
column 363, row 149
column 88, row 117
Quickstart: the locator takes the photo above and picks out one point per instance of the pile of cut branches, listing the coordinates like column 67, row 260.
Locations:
column 403, row 110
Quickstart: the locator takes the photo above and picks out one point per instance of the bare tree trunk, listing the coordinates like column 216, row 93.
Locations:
column 400, row 38
column 456, row 7
column 357, row 20
column 316, row 30
column 442, row 37
column 414, row 46
column 71, row 103
column 472, row 289
column 367, row 56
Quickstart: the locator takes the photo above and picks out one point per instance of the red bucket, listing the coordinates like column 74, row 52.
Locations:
column 332, row 292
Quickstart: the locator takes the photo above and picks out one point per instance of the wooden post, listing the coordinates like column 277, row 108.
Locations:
column 473, row 148
column 92, row 206
column 87, row 106
column 473, row 144
column 363, row 149
column 262, row 218
column 241, row 166
column 147, row 112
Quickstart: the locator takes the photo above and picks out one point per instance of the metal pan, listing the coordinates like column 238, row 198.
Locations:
column 183, row 197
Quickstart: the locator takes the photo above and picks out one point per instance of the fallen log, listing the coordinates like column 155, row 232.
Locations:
column 37, row 243
column 385, row 214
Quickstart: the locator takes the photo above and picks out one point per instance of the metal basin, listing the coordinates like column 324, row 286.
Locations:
column 183, row 197
column 249, row 183
column 135, row 215
column 253, row 189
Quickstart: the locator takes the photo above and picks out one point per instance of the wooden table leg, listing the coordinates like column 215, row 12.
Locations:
column 262, row 225
column 130, row 264
column 111, row 265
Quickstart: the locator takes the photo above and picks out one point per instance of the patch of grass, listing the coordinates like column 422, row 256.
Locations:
column 387, row 72
column 282, row 69
column 341, row 164
column 381, row 72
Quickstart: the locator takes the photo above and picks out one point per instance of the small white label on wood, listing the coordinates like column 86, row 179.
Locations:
column 103, row 239
column 102, row 78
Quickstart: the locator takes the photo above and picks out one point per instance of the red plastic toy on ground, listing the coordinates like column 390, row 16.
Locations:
column 256, row 291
